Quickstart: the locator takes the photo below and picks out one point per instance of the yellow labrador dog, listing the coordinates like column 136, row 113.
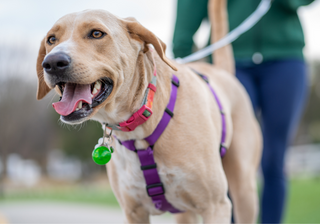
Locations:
column 102, row 66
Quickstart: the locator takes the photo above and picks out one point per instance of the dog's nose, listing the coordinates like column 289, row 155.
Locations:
column 56, row 63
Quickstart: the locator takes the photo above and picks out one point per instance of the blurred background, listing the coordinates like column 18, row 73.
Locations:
column 42, row 160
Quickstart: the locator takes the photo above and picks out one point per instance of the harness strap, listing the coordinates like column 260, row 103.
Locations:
column 166, row 116
column 223, row 148
column 155, row 188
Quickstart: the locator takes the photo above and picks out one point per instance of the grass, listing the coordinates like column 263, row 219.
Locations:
column 303, row 204
column 81, row 194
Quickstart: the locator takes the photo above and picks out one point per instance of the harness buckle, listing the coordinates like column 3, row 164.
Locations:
column 155, row 189
column 138, row 118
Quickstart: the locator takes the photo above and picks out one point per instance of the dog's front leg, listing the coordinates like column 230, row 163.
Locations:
column 218, row 212
column 133, row 209
column 137, row 215
column 186, row 217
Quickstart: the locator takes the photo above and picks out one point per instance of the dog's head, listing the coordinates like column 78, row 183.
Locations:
column 89, row 58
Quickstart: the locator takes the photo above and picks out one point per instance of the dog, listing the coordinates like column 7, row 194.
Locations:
column 102, row 65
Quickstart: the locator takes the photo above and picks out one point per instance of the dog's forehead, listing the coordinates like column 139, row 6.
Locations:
column 87, row 18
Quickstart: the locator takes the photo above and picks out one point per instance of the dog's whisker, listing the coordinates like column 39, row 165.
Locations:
column 51, row 101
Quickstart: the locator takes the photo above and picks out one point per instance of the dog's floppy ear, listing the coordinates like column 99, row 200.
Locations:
column 43, row 89
column 135, row 28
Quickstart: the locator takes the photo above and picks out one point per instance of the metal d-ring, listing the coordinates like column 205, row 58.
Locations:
column 106, row 136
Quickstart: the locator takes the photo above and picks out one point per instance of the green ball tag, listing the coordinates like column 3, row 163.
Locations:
column 101, row 155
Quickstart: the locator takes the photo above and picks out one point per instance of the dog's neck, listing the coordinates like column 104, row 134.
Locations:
column 144, row 73
column 130, row 103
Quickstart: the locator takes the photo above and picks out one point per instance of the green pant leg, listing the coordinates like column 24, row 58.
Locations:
column 190, row 14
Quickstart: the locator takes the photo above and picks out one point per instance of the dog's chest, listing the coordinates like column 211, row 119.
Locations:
column 132, row 182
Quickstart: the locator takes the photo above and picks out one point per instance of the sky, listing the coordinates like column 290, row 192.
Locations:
column 23, row 23
column 31, row 19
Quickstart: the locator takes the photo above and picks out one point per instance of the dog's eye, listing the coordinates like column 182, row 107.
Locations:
column 51, row 40
column 97, row 34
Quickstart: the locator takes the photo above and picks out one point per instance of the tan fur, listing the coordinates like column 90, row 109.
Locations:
column 187, row 153
column 43, row 89
column 218, row 15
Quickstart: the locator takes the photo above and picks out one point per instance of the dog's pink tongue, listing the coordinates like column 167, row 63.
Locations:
column 72, row 95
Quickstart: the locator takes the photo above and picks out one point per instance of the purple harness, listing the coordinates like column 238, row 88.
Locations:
column 155, row 188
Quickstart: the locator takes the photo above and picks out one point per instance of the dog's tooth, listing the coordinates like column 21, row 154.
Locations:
column 77, row 109
column 94, row 91
column 80, row 105
column 97, row 85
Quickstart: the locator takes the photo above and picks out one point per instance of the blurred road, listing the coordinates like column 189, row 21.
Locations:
column 57, row 212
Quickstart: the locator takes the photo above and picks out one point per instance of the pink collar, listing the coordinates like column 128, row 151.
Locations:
column 145, row 112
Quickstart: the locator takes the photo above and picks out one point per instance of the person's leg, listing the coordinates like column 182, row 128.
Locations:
column 190, row 14
column 283, row 88
column 247, row 79
column 249, row 82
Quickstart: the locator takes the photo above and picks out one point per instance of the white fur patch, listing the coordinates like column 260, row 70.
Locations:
column 64, row 47
column 133, row 183
column 141, row 144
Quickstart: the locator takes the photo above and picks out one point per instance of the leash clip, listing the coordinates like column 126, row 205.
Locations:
column 107, row 136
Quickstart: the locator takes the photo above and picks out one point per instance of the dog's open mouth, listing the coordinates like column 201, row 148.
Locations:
column 78, row 100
